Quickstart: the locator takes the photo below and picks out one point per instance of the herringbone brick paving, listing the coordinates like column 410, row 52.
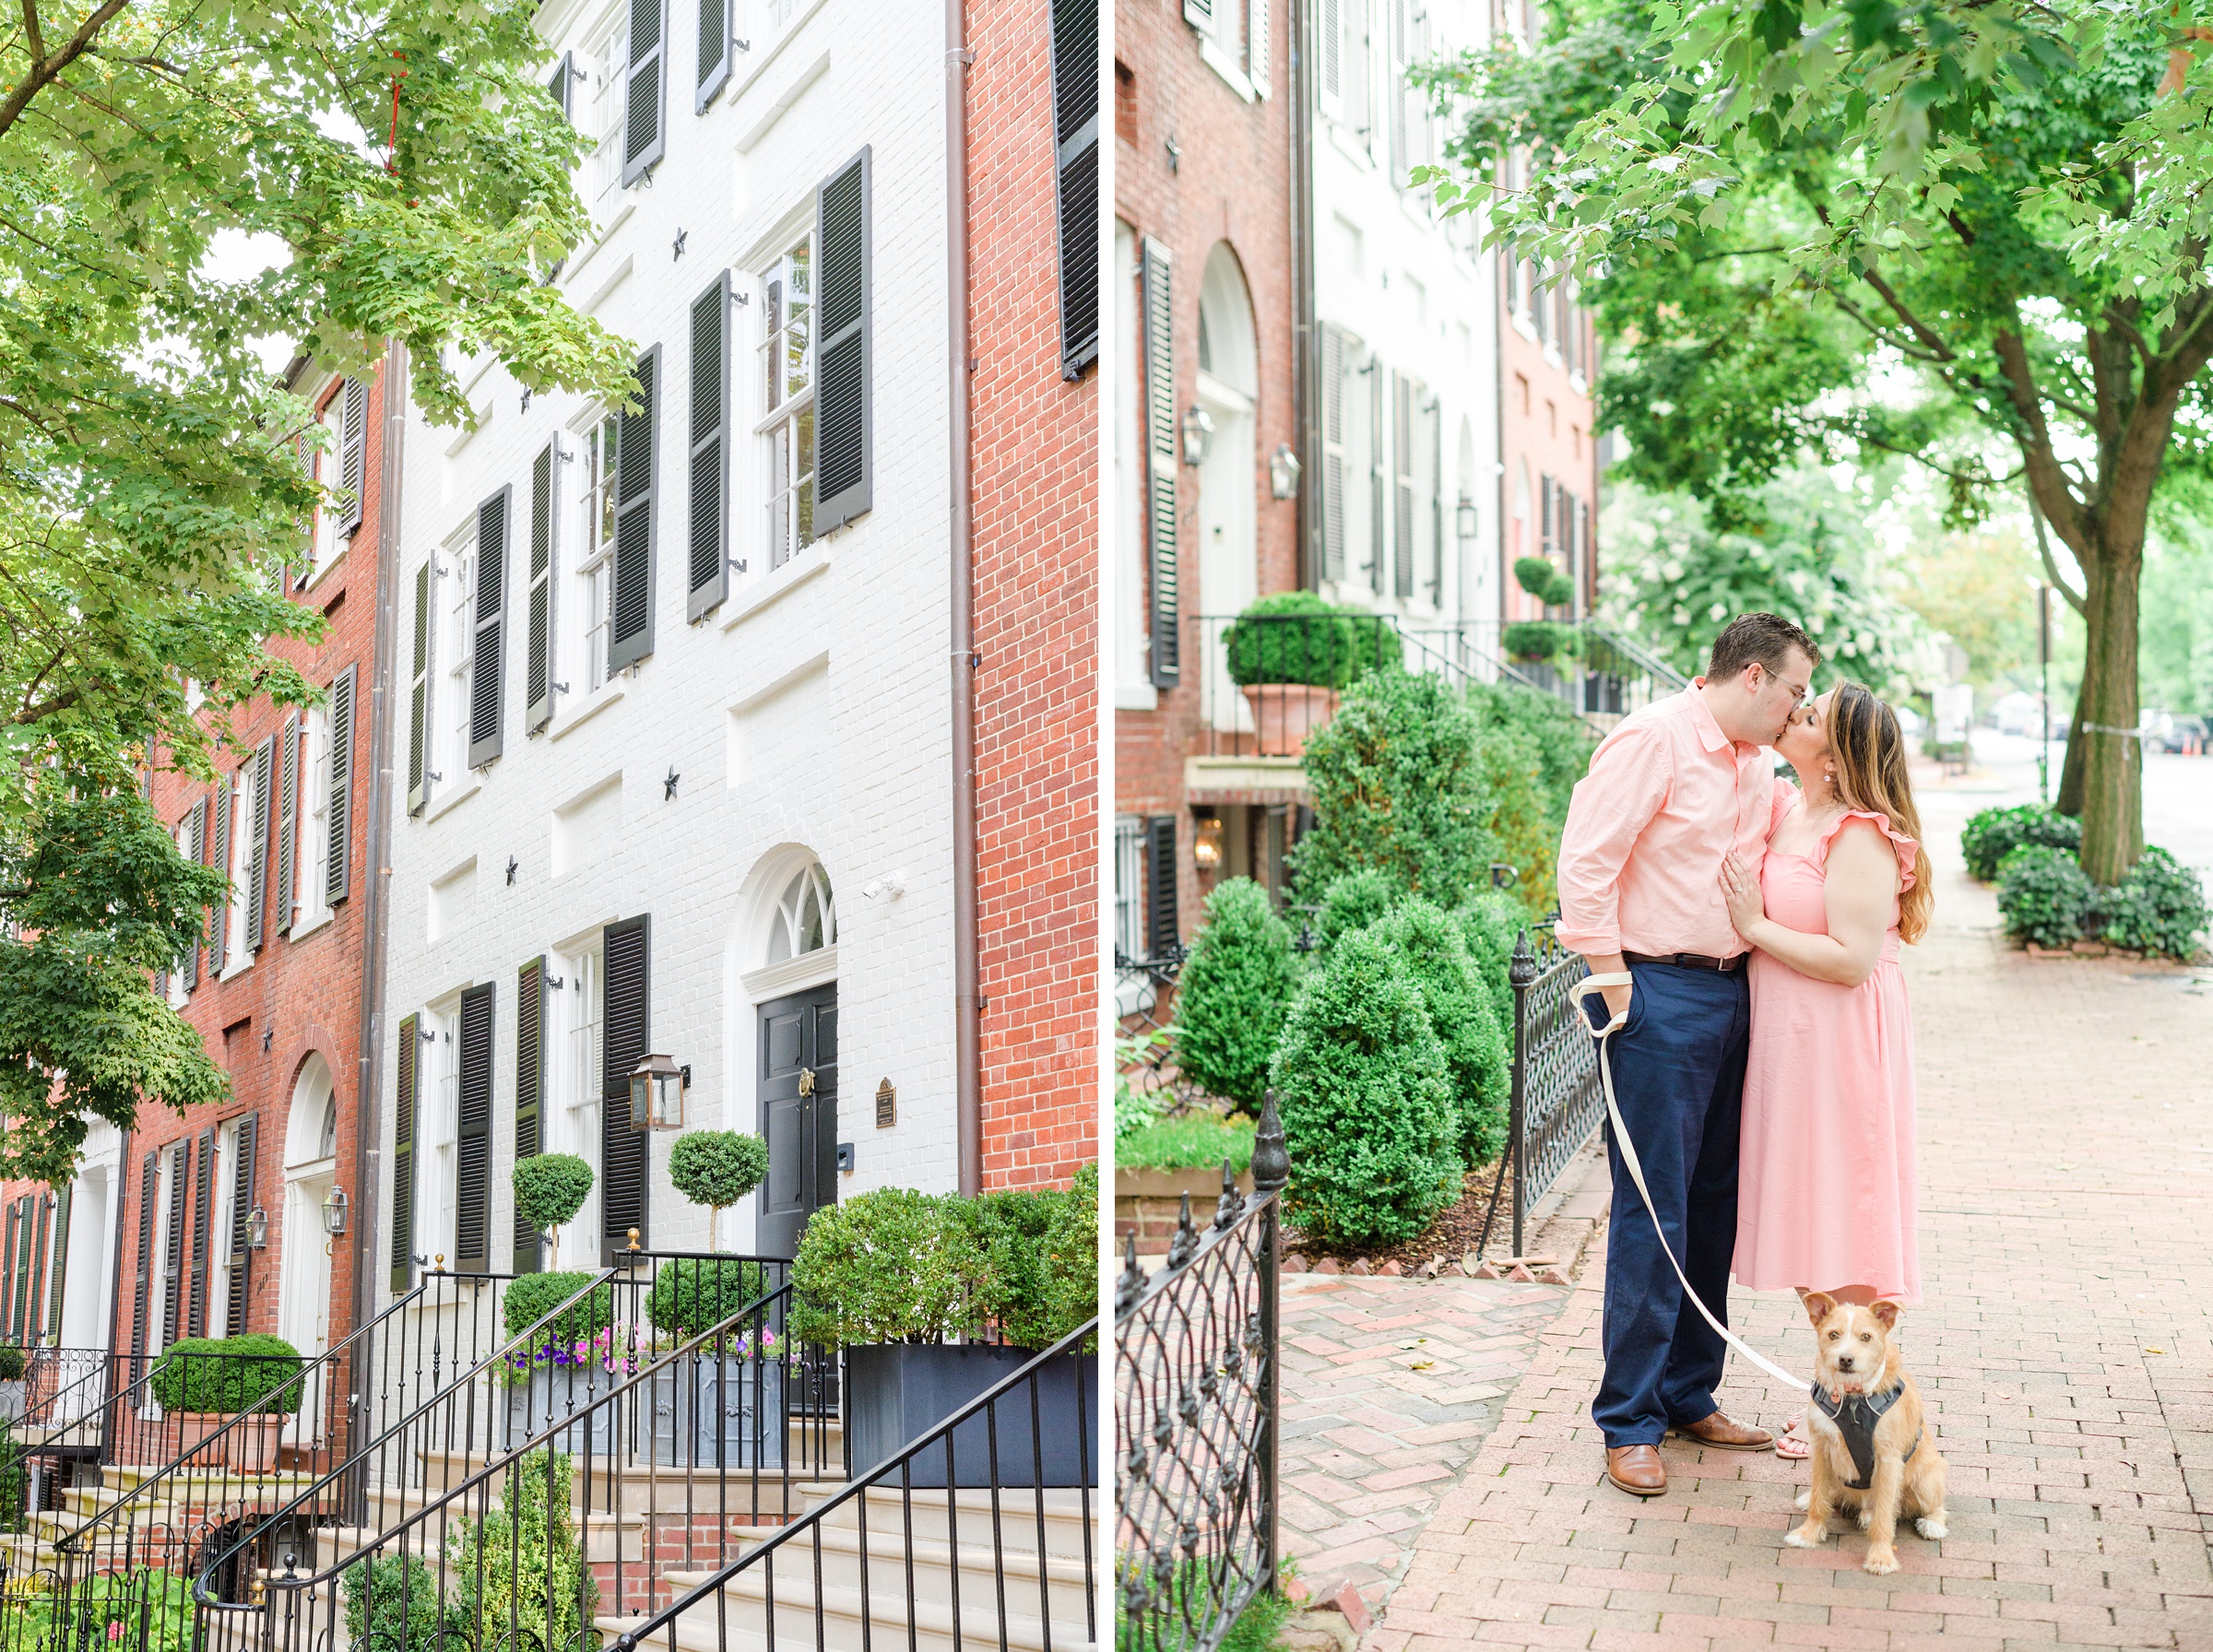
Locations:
column 2065, row 1351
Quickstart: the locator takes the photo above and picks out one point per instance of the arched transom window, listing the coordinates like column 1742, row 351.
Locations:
column 805, row 918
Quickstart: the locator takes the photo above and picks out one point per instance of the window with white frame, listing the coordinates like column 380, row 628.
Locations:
column 330, row 511
column 570, row 1114
column 309, row 908
column 787, row 427
column 608, row 61
column 594, row 605
column 456, row 596
column 806, row 919
column 236, row 953
column 436, row 1123
column 1129, row 886
column 226, row 1217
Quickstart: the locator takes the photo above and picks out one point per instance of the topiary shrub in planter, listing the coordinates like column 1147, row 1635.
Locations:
column 716, row 1168
column 572, row 1360
column 1366, row 1103
column 2043, row 895
column 2160, row 907
column 723, row 1403
column 1290, row 652
column 1549, row 584
column 1536, row 641
column 1233, row 993
column 1993, row 833
column 550, row 1188
column 1477, row 1057
column 204, row 1382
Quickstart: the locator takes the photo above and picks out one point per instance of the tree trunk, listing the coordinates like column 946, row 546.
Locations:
column 2112, row 800
column 2070, row 767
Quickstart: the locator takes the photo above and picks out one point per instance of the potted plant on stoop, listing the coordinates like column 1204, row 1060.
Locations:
column 716, row 1168
column 914, row 1286
column 1290, row 653
column 723, row 1404
column 572, row 1360
column 204, row 1382
column 550, row 1188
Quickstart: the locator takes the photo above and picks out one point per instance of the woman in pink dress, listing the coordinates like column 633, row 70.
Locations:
column 1825, row 1184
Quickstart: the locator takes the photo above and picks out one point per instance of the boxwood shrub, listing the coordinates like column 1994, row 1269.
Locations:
column 1295, row 637
column 227, row 1375
column 1233, row 993
column 1477, row 1059
column 1993, row 833
column 2159, row 908
column 690, row 1295
column 2044, row 895
column 534, row 1295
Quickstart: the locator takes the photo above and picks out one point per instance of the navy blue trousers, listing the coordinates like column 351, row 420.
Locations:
column 1679, row 1078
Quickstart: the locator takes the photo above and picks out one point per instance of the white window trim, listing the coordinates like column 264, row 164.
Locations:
column 1223, row 63
column 237, row 956
column 225, row 1260
column 774, row 556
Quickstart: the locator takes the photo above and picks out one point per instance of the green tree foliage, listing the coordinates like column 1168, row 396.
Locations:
column 520, row 1576
column 1477, row 1056
column 716, row 1168
column 1397, row 788
column 1367, row 1101
column 1232, row 994
column 1969, row 234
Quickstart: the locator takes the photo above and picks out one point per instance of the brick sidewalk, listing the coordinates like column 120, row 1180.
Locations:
column 2066, row 1351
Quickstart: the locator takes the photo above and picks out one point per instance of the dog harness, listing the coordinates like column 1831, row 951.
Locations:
column 1855, row 1416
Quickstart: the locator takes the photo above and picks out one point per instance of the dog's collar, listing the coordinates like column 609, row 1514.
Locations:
column 1855, row 1416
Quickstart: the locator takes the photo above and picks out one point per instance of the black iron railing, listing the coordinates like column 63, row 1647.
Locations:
column 1195, row 1401
column 1558, row 1099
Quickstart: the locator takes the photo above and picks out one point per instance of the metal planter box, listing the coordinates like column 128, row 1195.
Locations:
column 719, row 1413
column 552, row 1394
column 897, row 1392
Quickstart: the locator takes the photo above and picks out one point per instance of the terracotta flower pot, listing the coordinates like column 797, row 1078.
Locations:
column 251, row 1447
column 1285, row 714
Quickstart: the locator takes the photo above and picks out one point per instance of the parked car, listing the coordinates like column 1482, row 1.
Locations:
column 2184, row 735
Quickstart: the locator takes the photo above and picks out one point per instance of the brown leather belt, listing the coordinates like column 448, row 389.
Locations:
column 1689, row 961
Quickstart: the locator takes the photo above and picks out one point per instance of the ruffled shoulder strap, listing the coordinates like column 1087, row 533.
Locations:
column 1906, row 848
column 1784, row 800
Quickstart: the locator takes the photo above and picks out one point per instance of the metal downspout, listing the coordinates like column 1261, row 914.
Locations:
column 968, row 1018
column 1306, row 383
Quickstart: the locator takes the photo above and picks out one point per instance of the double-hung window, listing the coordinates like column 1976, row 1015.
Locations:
column 457, row 610
column 788, row 401
column 594, row 560
column 314, row 819
column 236, row 953
column 609, row 58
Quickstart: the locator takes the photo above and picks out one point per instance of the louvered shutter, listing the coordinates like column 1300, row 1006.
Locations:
column 1257, row 61
column 419, row 697
column 172, row 1242
column 714, row 53
column 538, row 664
column 1587, row 569
column 1374, row 370
column 195, row 1320
column 149, row 1186
column 41, row 1219
column 288, row 823
column 1359, row 70
column 241, row 1206
column 1076, row 177
column 1332, row 453
column 403, row 1155
column 472, row 1150
column 218, row 856
column 486, row 673
column 257, row 852
column 1332, row 52
column 199, row 853
column 625, row 1025
column 11, row 1292
column 1398, row 92
column 353, row 454
column 558, row 87
column 844, row 409
column 630, row 636
column 529, row 1093
column 644, row 141
column 1161, row 924
column 57, row 1273
column 1401, row 451
column 1437, row 501
column 709, row 581
column 1544, row 527
column 1160, row 463
column 337, row 863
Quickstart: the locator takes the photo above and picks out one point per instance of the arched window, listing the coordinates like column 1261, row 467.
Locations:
column 330, row 1132
column 805, row 918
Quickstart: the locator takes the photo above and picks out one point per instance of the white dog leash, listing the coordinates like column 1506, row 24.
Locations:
column 1627, row 1149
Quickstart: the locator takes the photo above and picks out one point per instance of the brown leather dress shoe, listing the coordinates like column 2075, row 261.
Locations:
column 1717, row 1429
column 1637, row 1469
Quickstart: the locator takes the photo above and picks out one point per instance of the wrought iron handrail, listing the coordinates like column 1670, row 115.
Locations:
column 1557, row 1102
column 41, row 1409
column 1651, row 664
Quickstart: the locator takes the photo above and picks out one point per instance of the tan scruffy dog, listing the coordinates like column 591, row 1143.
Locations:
column 1872, row 1455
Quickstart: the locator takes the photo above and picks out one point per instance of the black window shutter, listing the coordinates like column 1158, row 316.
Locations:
column 472, row 1151
column 41, row 1217
column 714, row 33
column 485, row 688
column 242, row 1206
column 257, row 852
column 287, row 823
column 57, row 1274
column 148, row 1191
column 338, row 864
column 1162, row 933
column 173, row 1247
column 9, row 1291
column 529, row 1092
column 1160, row 462
column 709, row 579
column 419, row 697
column 199, row 840
column 644, row 141
column 1544, row 514
column 625, row 1026
column 403, row 1155
column 558, row 88
column 1076, row 177
column 630, row 636
column 195, row 1324
column 1401, row 449
column 538, row 663
column 1375, row 474
column 1332, row 453
column 354, row 454
column 844, row 418
column 219, row 855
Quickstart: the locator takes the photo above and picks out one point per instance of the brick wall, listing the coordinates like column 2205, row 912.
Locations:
column 1035, row 496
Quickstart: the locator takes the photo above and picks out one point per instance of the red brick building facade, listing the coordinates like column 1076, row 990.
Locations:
column 1548, row 481
column 1205, row 371
column 1032, row 168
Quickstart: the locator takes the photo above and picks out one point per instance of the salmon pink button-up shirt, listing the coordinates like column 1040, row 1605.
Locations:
column 1667, row 797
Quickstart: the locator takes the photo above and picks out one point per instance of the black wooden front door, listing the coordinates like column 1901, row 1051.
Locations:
column 798, row 1114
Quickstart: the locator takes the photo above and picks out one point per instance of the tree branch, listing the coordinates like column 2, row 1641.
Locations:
column 36, row 40
column 43, row 69
column 2043, row 549
column 1920, row 329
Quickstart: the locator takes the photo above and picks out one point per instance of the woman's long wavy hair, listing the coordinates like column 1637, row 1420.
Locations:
column 1870, row 752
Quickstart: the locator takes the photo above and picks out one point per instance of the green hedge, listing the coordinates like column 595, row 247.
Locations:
column 2043, row 895
column 2159, row 908
column 228, row 1374
column 11, row 1362
column 1299, row 638
column 1537, row 640
column 1993, row 833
